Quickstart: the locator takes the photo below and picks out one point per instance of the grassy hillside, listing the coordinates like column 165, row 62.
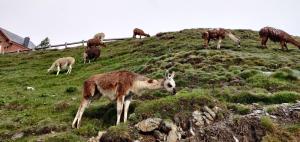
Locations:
column 231, row 75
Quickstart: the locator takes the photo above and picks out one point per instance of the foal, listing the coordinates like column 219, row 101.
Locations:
column 119, row 86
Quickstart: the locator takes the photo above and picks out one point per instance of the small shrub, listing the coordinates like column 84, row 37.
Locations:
column 248, row 73
column 240, row 109
column 285, row 97
column 65, row 137
column 295, row 128
column 269, row 83
column 285, row 74
column 267, row 123
column 71, row 89
column 117, row 133
column 246, row 97
column 87, row 130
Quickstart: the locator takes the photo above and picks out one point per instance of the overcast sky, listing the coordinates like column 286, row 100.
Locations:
column 75, row 20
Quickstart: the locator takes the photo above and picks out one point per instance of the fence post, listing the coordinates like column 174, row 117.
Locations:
column 82, row 43
column 66, row 45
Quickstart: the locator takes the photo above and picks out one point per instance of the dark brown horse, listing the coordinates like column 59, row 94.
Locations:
column 139, row 32
column 276, row 35
column 91, row 53
column 218, row 34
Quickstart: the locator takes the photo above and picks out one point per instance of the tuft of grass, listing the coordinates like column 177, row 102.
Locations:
column 267, row 123
column 287, row 74
column 117, row 133
column 239, row 108
column 246, row 97
column 71, row 89
column 63, row 137
column 184, row 101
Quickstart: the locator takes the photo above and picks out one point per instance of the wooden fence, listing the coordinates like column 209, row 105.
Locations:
column 80, row 42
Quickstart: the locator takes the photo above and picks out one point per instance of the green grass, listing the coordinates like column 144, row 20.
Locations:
column 55, row 100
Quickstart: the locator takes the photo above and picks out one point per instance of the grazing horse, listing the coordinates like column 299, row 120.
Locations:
column 95, row 42
column 139, row 32
column 276, row 35
column 91, row 53
column 218, row 34
column 119, row 86
column 64, row 63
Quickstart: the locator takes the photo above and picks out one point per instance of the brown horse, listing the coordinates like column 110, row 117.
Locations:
column 95, row 42
column 276, row 35
column 218, row 34
column 139, row 32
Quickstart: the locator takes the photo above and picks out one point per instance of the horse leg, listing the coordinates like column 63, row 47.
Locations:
column 70, row 69
column 58, row 70
column 282, row 45
column 219, row 43
column 120, row 104
column 126, row 106
column 206, row 43
column 84, row 104
column 285, row 46
column 264, row 42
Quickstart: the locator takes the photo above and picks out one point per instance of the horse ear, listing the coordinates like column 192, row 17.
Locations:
column 167, row 74
column 173, row 74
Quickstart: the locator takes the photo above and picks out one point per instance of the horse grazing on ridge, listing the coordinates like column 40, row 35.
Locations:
column 95, row 42
column 276, row 35
column 64, row 63
column 120, row 86
column 139, row 32
column 218, row 34
column 92, row 53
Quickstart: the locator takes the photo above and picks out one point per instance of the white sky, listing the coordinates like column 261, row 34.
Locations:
column 75, row 20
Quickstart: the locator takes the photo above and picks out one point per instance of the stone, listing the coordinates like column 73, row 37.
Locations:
column 17, row 135
column 207, row 109
column 216, row 109
column 149, row 124
column 208, row 116
column 197, row 118
column 159, row 136
column 206, row 120
column 97, row 139
column 173, row 134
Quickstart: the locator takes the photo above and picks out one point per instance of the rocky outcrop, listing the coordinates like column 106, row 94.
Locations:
column 204, row 125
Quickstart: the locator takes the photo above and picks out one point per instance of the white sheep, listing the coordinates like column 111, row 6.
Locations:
column 64, row 63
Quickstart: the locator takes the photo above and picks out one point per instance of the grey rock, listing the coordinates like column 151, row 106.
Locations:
column 149, row 124
column 173, row 134
column 206, row 120
column 208, row 116
column 216, row 109
column 97, row 138
column 207, row 109
column 197, row 118
column 159, row 136
column 17, row 135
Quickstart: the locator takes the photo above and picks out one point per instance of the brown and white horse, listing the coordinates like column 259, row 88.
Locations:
column 276, row 35
column 119, row 86
column 218, row 34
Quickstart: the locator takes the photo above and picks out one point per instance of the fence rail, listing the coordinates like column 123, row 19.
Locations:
column 81, row 42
